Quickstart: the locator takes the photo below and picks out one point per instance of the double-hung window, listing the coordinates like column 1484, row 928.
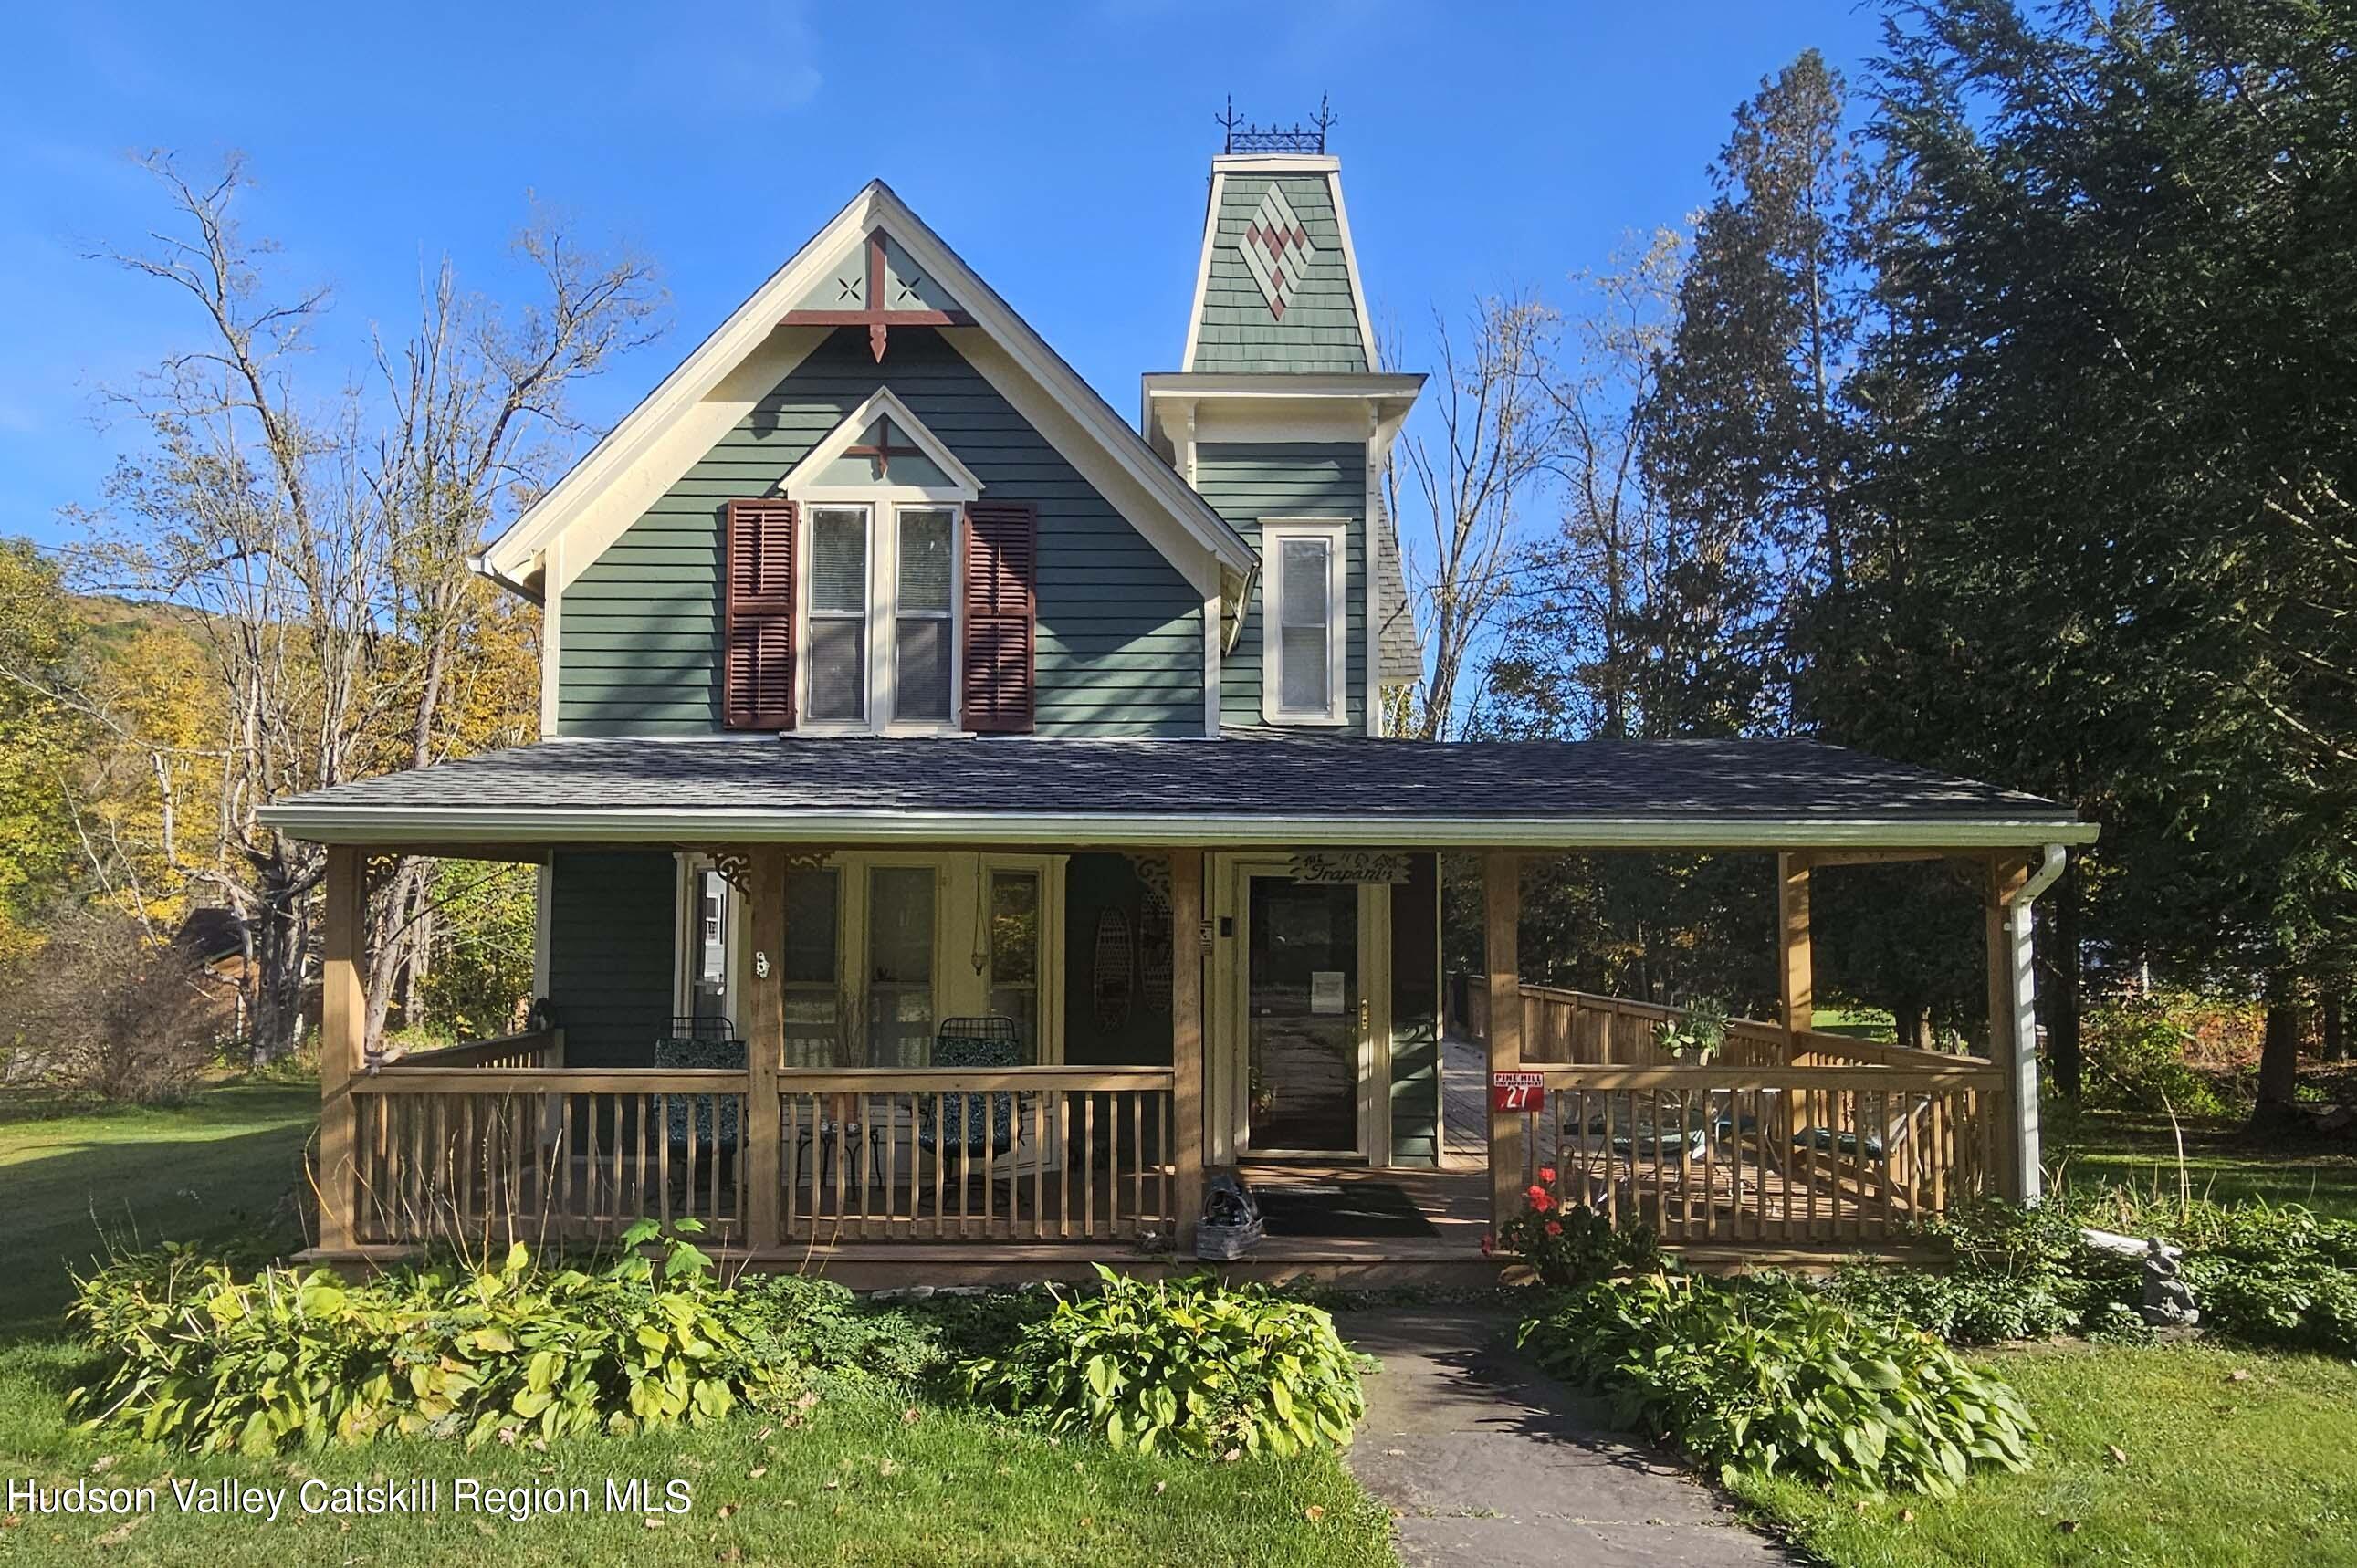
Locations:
column 1302, row 623
column 882, row 499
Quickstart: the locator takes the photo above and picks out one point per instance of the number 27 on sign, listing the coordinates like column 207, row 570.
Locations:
column 1518, row 1091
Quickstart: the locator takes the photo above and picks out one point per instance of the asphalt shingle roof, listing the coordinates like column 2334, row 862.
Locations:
column 1232, row 780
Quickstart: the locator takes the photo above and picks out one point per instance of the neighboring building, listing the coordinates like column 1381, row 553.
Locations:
column 919, row 722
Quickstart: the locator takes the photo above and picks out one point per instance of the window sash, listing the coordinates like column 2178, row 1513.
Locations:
column 840, row 593
column 1305, row 615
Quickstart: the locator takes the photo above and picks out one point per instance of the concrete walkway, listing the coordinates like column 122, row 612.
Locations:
column 1484, row 1461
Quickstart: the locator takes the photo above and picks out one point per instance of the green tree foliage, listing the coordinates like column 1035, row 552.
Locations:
column 41, row 737
column 2108, row 453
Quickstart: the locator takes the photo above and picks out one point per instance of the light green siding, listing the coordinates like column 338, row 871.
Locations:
column 1246, row 483
column 1319, row 330
column 1120, row 636
column 611, row 926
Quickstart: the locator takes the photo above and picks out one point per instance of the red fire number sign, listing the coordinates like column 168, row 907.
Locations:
column 1518, row 1091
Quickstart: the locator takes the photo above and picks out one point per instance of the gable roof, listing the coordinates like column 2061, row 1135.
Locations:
column 1725, row 794
column 634, row 459
column 882, row 403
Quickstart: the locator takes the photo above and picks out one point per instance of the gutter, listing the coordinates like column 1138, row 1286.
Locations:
column 339, row 823
column 479, row 562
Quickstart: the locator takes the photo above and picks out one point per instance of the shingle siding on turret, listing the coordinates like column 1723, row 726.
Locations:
column 1319, row 330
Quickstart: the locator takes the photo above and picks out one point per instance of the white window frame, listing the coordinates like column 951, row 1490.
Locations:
column 961, row 938
column 1334, row 534
column 883, row 503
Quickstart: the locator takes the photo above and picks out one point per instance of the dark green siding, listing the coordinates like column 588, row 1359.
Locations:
column 1246, row 483
column 610, row 930
column 1120, row 639
column 1319, row 330
column 1416, row 1015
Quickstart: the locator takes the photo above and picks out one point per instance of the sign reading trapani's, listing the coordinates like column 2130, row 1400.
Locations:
column 1518, row 1091
column 1349, row 866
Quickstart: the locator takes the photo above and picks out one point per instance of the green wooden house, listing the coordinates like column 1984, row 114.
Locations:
column 964, row 819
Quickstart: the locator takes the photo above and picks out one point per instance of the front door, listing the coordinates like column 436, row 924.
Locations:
column 1304, row 1018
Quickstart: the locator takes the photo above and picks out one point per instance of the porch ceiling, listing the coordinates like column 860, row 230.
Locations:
column 1234, row 793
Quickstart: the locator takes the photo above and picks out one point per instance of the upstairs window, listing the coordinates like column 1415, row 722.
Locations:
column 1302, row 667
column 880, row 632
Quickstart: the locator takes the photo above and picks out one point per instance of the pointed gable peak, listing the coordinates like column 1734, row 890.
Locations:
column 1277, row 287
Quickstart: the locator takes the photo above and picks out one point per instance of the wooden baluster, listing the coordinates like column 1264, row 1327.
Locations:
column 1685, row 1164
column 1611, row 1164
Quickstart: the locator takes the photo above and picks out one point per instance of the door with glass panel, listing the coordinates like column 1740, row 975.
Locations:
column 1305, row 1021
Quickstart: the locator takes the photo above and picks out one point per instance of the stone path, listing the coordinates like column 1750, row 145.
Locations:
column 1486, row 1462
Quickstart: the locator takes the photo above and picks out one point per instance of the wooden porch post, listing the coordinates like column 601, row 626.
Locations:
column 1188, row 958
column 1501, row 880
column 765, row 1045
column 343, row 1042
column 1795, row 971
column 2011, row 1045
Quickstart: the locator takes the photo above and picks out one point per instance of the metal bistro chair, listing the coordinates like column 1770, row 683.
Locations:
column 971, row 1125
column 697, row 1043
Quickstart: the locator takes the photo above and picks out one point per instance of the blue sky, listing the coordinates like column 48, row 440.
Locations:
column 1062, row 149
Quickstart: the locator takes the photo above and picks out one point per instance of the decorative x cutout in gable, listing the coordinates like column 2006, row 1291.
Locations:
column 887, row 292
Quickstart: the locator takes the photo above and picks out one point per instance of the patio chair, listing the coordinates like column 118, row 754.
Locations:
column 696, row 1043
column 971, row 1124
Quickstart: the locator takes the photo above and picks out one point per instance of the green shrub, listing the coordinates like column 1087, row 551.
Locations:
column 1767, row 1376
column 2136, row 1053
column 824, row 1329
column 196, row 1357
column 1190, row 1365
column 1569, row 1243
column 1961, row 1307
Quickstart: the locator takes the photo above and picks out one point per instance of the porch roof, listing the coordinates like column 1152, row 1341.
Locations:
column 1234, row 793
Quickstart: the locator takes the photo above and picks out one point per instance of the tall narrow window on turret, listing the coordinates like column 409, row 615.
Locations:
column 1301, row 627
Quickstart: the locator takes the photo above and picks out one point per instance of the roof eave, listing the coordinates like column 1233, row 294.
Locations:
column 462, row 824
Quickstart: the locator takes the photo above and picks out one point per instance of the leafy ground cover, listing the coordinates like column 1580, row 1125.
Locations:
column 869, row 1473
column 2178, row 1454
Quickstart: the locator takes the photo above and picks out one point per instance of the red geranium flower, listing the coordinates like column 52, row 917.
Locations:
column 1554, row 1227
column 1488, row 1245
column 1546, row 1175
column 1540, row 1199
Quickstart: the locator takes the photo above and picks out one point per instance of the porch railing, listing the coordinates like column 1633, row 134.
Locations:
column 1021, row 1154
column 1803, row 1156
column 485, row 1155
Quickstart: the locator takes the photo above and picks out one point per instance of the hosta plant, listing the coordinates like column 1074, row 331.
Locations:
column 199, row 1356
column 1189, row 1365
column 1767, row 1376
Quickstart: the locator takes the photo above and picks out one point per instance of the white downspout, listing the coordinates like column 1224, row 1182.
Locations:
column 2019, row 920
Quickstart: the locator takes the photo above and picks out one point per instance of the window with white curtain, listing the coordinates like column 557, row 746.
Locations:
column 837, row 616
column 1302, row 624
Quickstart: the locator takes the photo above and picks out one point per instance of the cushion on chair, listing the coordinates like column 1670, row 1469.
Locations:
column 679, row 1052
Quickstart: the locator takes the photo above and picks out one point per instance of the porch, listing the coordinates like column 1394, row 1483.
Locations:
column 882, row 1109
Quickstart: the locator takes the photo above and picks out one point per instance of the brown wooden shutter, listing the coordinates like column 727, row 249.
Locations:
column 1002, row 549
column 756, row 663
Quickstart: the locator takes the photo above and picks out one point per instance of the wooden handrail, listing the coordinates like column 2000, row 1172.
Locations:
column 551, row 1081
column 970, row 1080
column 471, row 1051
column 1573, row 1075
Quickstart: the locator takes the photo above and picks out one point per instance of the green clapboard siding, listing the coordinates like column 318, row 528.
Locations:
column 1416, row 1015
column 1319, row 330
column 1120, row 639
column 1246, row 483
column 610, row 930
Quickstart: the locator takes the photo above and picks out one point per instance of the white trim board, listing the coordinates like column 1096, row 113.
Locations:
column 691, row 824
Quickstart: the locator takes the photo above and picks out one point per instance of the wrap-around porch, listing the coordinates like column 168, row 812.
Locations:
column 806, row 1130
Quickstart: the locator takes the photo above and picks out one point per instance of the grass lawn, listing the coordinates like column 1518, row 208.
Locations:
column 2222, row 1161
column 857, row 1481
column 2215, row 1472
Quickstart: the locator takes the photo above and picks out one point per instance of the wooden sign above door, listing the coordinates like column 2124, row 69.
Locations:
column 1330, row 865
